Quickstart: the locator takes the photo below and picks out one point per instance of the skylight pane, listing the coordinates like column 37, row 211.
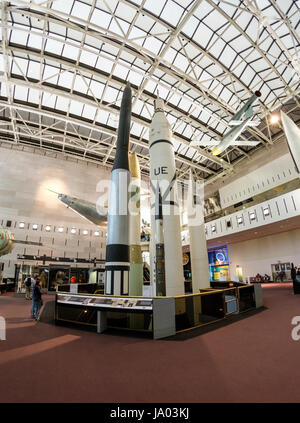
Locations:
column 35, row 41
column 34, row 70
column 21, row 93
column 81, row 10
column 81, row 85
column 96, row 88
column 154, row 6
column 102, row 116
column 62, row 6
column 172, row 13
column 101, row 18
column 48, row 100
column 76, row 108
column 111, row 95
column 62, row 104
column 70, row 51
column 66, row 79
column 88, row 58
column 34, row 96
column 54, row 46
column 89, row 112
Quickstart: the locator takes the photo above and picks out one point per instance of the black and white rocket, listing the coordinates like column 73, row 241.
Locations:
column 117, row 247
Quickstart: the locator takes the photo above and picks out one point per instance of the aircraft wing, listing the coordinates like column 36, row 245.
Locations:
column 204, row 143
column 239, row 122
column 244, row 143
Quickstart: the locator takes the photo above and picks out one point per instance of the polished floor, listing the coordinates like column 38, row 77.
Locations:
column 251, row 360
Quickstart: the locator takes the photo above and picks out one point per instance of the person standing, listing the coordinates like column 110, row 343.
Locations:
column 28, row 282
column 37, row 301
column 293, row 276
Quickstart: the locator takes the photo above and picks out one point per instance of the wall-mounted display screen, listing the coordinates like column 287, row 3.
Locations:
column 218, row 264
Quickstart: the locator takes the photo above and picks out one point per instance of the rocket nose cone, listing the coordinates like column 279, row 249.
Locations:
column 127, row 96
column 159, row 105
column 128, row 86
column 134, row 167
column 283, row 116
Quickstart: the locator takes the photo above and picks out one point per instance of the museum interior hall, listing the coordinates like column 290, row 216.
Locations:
column 149, row 201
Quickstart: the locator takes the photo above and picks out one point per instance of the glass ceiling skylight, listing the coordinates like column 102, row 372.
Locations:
column 64, row 65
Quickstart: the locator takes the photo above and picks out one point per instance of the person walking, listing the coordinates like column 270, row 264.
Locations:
column 37, row 301
column 28, row 282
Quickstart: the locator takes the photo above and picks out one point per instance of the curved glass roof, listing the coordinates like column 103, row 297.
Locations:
column 64, row 65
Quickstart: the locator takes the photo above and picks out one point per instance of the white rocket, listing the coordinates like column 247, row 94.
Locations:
column 163, row 175
column 292, row 133
column 198, row 248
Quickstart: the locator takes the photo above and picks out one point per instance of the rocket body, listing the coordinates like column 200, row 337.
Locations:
column 292, row 133
column 160, row 277
column 136, row 262
column 198, row 248
column 117, row 247
column 163, row 176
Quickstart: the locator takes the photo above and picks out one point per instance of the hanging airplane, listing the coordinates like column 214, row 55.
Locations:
column 7, row 242
column 239, row 121
column 90, row 211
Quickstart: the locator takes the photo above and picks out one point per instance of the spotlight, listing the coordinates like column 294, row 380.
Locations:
column 96, row 233
column 34, row 226
column 48, row 228
column 274, row 119
column 85, row 232
column 21, row 225
column 60, row 229
column 73, row 231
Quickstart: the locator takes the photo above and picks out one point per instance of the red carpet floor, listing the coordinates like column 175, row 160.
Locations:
column 251, row 360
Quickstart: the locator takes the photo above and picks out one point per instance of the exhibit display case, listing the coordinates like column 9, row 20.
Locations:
column 156, row 316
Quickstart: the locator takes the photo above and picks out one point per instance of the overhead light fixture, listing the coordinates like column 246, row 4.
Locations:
column 48, row 228
column 240, row 220
column 266, row 211
column 60, row 229
column 85, row 232
column 73, row 231
column 213, row 228
column 96, row 233
column 35, row 226
column 252, row 216
column 274, row 119
column 21, row 225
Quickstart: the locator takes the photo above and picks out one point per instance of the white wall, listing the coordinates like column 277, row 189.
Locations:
column 277, row 172
column 257, row 255
column 280, row 208
column 24, row 179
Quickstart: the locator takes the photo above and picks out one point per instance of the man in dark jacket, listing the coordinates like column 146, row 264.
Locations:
column 36, row 300
column 294, row 279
